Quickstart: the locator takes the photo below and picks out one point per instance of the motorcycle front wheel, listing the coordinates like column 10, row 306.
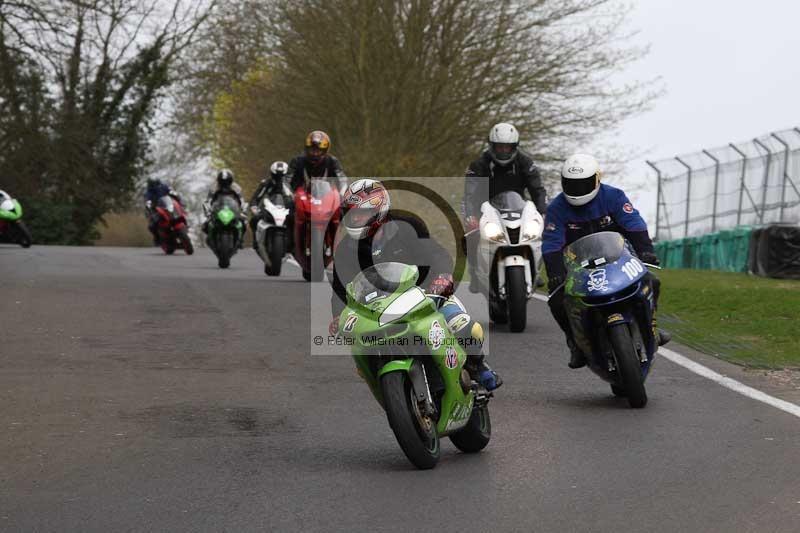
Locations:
column 188, row 247
column 24, row 237
column 317, row 255
column 416, row 435
column 516, row 298
column 276, row 248
column 628, row 365
column 226, row 242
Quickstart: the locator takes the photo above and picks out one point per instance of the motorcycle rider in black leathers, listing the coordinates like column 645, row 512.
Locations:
column 374, row 234
column 316, row 162
column 273, row 184
column 584, row 207
column 506, row 168
column 226, row 186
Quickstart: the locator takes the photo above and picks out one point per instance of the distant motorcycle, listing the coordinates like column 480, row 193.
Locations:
column 611, row 309
column 173, row 231
column 12, row 229
column 508, row 257
column 271, row 233
column 316, row 220
column 225, row 229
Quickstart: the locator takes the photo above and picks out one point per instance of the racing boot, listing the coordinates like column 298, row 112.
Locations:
column 482, row 373
column 576, row 357
column 663, row 337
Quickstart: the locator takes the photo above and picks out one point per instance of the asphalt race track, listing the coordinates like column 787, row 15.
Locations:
column 140, row 392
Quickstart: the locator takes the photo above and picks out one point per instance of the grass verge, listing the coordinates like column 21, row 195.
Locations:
column 744, row 319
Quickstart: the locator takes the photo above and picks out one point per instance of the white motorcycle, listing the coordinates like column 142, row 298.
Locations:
column 509, row 253
column 272, row 234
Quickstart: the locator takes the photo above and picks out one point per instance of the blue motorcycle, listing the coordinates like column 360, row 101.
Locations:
column 611, row 310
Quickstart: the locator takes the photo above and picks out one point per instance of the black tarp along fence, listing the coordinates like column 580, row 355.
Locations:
column 753, row 183
column 772, row 251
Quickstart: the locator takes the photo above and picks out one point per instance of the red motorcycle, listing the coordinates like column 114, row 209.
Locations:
column 173, row 231
column 316, row 208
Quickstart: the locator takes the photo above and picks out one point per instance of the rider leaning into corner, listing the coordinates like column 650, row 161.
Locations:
column 226, row 186
column 584, row 207
column 507, row 168
column 374, row 234
column 274, row 183
column 155, row 190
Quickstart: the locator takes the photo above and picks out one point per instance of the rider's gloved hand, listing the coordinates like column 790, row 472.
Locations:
column 333, row 327
column 650, row 258
column 442, row 285
column 471, row 223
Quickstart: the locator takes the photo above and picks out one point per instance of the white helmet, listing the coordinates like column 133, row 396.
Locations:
column 503, row 142
column 278, row 169
column 580, row 179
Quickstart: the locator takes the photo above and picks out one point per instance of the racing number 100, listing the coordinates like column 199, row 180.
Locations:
column 632, row 268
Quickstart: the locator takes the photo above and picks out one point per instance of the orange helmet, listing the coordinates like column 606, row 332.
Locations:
column 365, row 208
column 317, row 145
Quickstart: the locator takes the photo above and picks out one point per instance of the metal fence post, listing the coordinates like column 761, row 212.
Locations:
column 785, row 172
column 658, row 197
column 741, row 183
column 688, row 195
column 766, row 179
column 716, row 188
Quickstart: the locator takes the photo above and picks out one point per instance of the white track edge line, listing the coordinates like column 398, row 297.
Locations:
column 728, row 383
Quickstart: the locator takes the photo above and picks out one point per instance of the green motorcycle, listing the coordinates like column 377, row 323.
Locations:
column 225, row 229
column 413, row 365
column 12, row 229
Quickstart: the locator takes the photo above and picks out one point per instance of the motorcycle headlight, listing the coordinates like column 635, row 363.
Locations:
column 531, row 230
column 494, row 232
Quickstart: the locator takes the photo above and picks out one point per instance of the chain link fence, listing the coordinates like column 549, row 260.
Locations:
column 751, row 183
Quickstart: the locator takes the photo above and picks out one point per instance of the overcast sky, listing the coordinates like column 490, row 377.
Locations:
column 731, row 70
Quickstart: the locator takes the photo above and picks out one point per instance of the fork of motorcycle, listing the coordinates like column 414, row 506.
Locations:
column 422, row 390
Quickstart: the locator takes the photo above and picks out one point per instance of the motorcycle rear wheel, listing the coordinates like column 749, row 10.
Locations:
column 476, row 434
column 628, row 365
column 421, row 445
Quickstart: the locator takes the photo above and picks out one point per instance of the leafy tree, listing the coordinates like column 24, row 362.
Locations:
column 410, row 87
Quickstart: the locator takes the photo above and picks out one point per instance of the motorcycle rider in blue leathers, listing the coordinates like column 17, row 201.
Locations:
column 155, row 190
column 584, row 207
column 374, row 234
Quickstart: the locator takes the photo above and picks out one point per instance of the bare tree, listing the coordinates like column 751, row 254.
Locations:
column 103, row 65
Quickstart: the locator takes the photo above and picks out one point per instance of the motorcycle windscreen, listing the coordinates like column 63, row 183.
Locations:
column 508, row 201
column 594, row 250
column 319, row 188
column 226, row 201
column 165, row 202
column 277, row 199
column 383, row 279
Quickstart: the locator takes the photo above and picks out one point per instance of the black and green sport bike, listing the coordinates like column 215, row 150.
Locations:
column 225, row 229
column 413, row 364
